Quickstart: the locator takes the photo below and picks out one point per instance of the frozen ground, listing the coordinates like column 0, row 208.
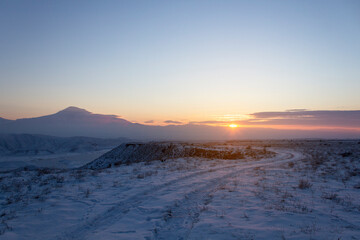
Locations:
column 64, row 160
column 309, row 190
column 20, row 150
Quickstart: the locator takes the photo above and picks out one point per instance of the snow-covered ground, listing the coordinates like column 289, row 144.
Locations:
column 63, row 160
column 309, row 190
column 20, row 150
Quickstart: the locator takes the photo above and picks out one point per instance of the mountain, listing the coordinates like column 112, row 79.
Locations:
column 3, row 120
column 69, row 122
column 74, row 121
column 74, row 115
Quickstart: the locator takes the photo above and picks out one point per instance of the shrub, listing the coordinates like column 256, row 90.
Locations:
column 304, row 184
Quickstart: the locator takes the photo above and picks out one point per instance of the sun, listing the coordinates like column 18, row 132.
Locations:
column 233, row 125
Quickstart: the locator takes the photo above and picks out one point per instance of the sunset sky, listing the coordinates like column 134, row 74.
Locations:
column 187, row 61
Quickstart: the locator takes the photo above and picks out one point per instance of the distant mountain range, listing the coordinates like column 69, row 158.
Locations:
column 74, row 121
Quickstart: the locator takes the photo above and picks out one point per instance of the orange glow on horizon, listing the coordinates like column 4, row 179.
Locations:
column 285, row 127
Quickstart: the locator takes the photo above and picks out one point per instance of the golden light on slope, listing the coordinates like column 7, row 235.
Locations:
column 233, row 125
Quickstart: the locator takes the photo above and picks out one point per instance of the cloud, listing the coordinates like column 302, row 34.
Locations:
column 149, row 121
column 326, row 118
column 210, row 122
column 298, row 117
column 296, row 110
column 172, row 122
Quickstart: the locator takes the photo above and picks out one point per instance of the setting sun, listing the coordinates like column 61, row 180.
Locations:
column 233, row 125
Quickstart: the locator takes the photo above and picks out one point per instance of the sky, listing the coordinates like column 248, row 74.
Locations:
column 180, row 61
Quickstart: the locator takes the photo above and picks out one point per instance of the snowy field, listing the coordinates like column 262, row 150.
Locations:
column 307, row 190
column 64, row 160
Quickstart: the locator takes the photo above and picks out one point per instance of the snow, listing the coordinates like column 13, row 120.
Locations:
column 309, row 190
column 20, row 150
column 62, row 160
column 30, row 144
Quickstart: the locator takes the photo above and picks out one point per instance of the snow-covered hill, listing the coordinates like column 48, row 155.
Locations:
column 128, row 153
column 29, row 144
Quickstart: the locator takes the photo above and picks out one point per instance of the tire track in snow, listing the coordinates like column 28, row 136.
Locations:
column 120, row 209
column 185, row 214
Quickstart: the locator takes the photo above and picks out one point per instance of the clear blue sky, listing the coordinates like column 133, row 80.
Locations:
column 179, row 60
